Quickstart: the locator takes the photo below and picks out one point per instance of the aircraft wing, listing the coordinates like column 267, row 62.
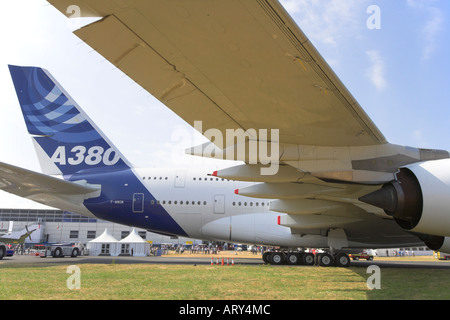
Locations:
column 29, row 184
column 231, row 64
column 11, row 240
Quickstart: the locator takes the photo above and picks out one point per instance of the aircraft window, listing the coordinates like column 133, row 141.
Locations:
column 143, row 178
column 245, row 204
column 193, row 203
column 160, row 178
column 198, row 202
column 251, row 204
column 234, row 204
column 152, row 202
column 199, row 179
column 181, row 202
column 167, row 178
column 158, row 202
column 194, row 179
column 175, row 202
column 204, row 203
column 257, row 203
column 239, row 204
column 164, row 201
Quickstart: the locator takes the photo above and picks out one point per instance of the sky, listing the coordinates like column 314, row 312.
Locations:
column 393, row 56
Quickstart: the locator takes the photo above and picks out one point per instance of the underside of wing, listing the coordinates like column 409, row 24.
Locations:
column 236, row 64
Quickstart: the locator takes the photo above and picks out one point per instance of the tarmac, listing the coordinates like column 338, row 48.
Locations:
column 228, row 260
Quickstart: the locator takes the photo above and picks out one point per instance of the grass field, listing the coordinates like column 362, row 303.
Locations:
column 204, row 282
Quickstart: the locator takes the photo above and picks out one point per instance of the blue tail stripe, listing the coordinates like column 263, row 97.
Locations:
column 54, row 95
column 66, row 135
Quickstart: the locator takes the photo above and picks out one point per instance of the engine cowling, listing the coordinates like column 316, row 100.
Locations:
column 437, row 243
column 419, row 200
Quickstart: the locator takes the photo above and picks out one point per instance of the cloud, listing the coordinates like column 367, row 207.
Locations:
column 431, row 28
column 376, row 72
column 328, row 21
column 431, row 32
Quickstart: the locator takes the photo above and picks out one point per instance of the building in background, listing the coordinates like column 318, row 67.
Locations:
column 56, row 226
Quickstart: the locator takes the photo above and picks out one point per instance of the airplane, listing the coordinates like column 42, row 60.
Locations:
column 236, row 66
column 9, row 239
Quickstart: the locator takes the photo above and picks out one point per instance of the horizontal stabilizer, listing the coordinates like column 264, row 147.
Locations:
column 26, row 183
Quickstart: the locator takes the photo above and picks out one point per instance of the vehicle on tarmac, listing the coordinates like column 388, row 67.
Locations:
column 9, row 250
column 442, row 256
column 363, row 255
column 60, row 251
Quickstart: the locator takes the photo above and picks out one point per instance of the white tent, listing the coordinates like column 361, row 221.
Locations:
column 104, row 245
column 134, row 245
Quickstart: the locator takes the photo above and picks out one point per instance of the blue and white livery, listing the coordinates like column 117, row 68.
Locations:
column 97, row 180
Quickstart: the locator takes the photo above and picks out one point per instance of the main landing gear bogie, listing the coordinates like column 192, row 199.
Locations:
column 324, row 259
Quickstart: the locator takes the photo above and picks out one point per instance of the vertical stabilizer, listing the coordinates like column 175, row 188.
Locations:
column 66, row 140
column 10, row 227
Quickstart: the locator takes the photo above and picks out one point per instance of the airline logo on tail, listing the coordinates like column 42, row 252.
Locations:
column 66, row 139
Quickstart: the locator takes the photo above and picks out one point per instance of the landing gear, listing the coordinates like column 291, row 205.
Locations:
column 308, row 259
column 293, row 258
column 277, row 258
column 342, row 260
column 325, row 259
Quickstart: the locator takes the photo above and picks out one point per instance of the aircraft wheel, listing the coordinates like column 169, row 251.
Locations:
column 342, row 260
column 308, row 259
column 266, row 256
column 326, row 260
column 293, row 258
column 277, row 258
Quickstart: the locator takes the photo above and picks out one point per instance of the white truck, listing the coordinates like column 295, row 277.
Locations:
column 61, row 250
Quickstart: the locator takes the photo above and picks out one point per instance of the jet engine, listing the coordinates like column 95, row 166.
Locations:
column 419, row 199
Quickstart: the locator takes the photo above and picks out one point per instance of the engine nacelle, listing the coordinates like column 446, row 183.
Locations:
column 437, row 243
column 419, row 200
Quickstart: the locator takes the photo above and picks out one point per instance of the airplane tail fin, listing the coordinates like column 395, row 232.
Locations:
column 66, row 140
column 10, row 227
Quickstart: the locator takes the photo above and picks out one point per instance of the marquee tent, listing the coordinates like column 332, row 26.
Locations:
column 134, row 245
column 104, row 245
